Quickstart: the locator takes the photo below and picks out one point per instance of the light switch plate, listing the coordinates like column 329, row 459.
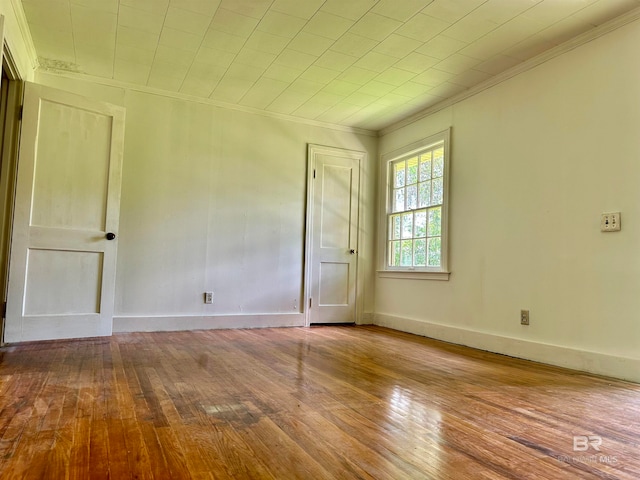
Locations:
column 610, row 222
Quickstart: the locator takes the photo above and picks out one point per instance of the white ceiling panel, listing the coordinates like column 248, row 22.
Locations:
column 149, row 6
column 135, row 55
column 179, row 39
column 360, row 63
column 106, row 6
column 401, row 11
column 283, row 73
column 141, row 19
column 395, row 76
column 187, row 21
column 288, row 102
column 338, row 113
column 319, row 74
column 376, row 27
column 451, row 10
column 204, row 7
column 336, row 60
column 281, row 24
column 423, row 27
column 233, row 23
column 328, row 25
column 354, row 45
column 304, row 10
column 54, row 14
column 255, row 58
column 340, row 87
column 136, row 38
column 397, row 46
column 250, row 8
column 416, row 62
column 294, row 59
column 174, row 56
column 266, row 42
column 376, row 62
column 441, row 47
column 352, row 9
column 132, row 72
column 227, row 42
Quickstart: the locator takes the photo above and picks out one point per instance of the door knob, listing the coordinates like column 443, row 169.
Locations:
column 352, row 251
column 110, row 236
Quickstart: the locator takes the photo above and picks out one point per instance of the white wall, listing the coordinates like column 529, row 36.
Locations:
column 535, row 161
column 214, row 200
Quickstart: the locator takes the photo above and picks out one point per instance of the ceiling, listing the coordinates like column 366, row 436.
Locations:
column 358, row 63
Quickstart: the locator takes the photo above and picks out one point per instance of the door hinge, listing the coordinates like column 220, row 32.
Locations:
column 20, row 112
column 4, row 310
column 309, row 302
column 314, row 173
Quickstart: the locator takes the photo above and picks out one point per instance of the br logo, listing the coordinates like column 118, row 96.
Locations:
column 581, row 443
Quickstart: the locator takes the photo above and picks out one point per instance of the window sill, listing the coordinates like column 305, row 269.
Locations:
column 444, row 276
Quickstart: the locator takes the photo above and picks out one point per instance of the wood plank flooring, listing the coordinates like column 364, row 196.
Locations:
column 314, row 403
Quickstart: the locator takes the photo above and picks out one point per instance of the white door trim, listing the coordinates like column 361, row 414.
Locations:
column 312, row 151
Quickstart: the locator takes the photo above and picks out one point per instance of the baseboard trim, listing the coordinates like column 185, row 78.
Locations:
column 365, row 319
column 128, row 324
column 592, row 362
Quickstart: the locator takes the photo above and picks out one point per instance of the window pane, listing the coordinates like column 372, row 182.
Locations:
column 438, row 162
column 420, row 253
column 398, row 200
column 435, row 221
column 412, row 197
column 433, row 254
column 436, row 198
column 412, row 172
column 406, row 260
column 394, row 254
column 395, row 227
column 424, row 194
column 407, row 225
column 421, row 224
column 398, row 174
column 425, row 166
column 416, row 208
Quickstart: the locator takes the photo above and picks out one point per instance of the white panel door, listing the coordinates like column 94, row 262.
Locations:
column 333, row 245
column 64, row 241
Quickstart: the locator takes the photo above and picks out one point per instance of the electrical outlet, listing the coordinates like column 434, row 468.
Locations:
column 208, row 297
column 610, row 222
column 524, row 317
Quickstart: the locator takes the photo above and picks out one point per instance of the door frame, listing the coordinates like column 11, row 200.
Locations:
column 10, row 134
column 312, row 150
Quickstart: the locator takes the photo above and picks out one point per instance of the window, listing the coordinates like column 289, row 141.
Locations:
column 416, row 209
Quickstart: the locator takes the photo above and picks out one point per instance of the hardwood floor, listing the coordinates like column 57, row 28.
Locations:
column 325, row 402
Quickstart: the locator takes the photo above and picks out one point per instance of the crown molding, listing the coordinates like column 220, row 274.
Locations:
column 544, row 57
column 25, row 33
column 207, row 101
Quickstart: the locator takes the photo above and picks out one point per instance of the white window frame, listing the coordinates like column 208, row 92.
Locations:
column 423, row 273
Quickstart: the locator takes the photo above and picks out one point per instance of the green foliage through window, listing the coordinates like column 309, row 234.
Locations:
column 416, row 202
